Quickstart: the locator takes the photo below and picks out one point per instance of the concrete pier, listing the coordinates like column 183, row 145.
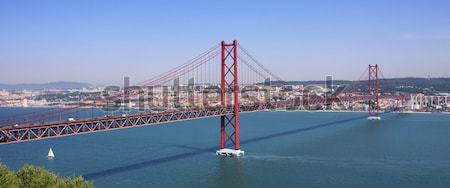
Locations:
column 230, row 152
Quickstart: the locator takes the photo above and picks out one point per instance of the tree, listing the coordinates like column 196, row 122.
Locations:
column 7, row 178
column 35, row 177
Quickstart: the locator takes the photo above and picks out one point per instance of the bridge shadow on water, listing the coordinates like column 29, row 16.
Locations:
column 197, row 151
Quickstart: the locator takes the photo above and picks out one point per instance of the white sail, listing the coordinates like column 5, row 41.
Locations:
column 50, row 155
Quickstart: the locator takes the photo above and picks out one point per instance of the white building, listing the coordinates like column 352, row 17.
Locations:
column 420, row 101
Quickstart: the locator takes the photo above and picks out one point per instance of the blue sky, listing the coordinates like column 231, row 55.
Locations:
column 101, row 41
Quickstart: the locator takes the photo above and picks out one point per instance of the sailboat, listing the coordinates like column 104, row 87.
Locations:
column 50, row 155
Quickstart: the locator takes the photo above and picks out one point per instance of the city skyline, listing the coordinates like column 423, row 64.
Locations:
column 100, row 42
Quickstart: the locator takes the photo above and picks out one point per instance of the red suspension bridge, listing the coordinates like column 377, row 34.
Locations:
column 231, row 81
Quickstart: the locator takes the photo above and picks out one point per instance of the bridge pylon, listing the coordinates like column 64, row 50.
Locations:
column 229, row 85
column 374, row 93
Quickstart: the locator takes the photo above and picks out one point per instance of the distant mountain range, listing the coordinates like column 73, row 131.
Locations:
column 51, row 85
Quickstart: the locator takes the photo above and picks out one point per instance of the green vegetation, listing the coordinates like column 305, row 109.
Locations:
column 35, row 177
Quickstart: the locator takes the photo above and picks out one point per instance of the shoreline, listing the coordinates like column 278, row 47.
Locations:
column 310, row 111
column 349, row 111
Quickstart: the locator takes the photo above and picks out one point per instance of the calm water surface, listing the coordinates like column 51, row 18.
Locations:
column 283, row 149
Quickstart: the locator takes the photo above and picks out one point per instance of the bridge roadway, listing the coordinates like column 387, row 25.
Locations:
column 30, row 132
column 38, row 131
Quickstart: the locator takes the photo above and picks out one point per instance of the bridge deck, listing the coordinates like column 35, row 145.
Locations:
column 29, row 132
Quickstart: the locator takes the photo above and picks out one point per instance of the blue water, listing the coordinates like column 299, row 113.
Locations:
column 283, row 149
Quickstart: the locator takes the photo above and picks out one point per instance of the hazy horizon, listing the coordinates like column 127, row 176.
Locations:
column 94, row 84
column 99, row 42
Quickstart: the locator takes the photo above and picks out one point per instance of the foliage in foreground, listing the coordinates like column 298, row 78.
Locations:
column 35, row 177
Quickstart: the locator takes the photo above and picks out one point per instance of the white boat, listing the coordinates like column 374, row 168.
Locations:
column 50, row 155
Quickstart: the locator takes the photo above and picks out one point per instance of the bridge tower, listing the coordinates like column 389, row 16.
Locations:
column 229, row 94
column 374, row 91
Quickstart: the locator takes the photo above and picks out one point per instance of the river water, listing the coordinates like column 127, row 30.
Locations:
column 283, row 149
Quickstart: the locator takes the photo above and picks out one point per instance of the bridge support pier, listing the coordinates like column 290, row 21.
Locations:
column 230, row 152
column 229, row 124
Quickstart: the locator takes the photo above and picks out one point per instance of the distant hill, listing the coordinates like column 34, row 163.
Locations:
column 310, row 82
column 51, row 85
column 408, row 84
column 414, row 85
